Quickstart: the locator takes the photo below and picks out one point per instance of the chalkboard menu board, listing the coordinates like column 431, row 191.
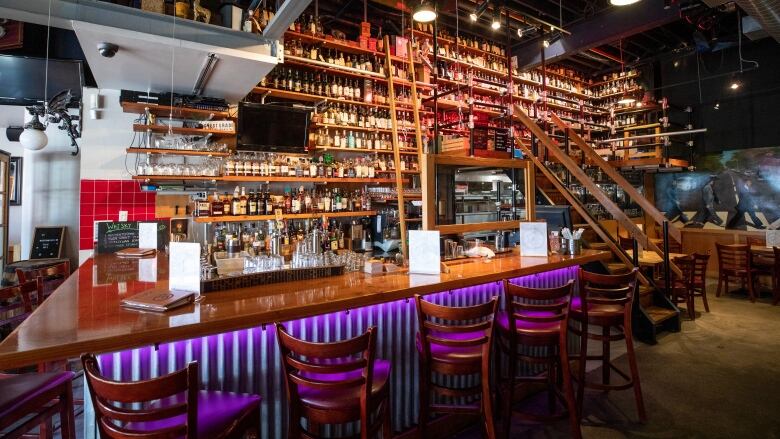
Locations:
column 501, row 142
column 119, row 235
column 47, row 242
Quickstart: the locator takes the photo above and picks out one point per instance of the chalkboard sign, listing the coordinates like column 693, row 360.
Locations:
column 48, row 242
column 502, row 141
column 119, row 235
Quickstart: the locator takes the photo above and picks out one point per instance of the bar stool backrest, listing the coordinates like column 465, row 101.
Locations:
column 733, row 256
column 460, row 327
column 699, row 271
column 328, row 366
column 16, row 297
column 171, row 400
column 607, row 289
column 48, row 278
column 536, row 305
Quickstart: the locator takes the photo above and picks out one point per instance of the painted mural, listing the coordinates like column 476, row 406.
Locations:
column 735, row 189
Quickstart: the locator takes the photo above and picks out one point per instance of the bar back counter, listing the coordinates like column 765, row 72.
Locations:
column 230, row 333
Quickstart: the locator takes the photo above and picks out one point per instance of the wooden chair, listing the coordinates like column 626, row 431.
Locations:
column 760, row 265
column 455, row 341
column 605, row 301
column 626, row 242
column 48, row 278
column 734, row 262
column 679, row 285
column 336, row 383
column 33, row 398
column 538, row 317
column 16, row 303
column 170, row 406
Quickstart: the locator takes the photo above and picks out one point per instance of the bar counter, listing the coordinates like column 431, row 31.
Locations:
column 226, row 332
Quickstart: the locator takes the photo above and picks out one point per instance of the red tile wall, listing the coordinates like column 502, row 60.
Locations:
column 103, row 199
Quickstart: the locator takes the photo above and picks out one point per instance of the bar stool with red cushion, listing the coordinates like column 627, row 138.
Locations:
column 734, row 263
column 34, row 398
column 48, row 278
column 538, row 317
column 455, row 341
column 605, row 301
column 336, row 383
column 16, row 303
column 168, row 406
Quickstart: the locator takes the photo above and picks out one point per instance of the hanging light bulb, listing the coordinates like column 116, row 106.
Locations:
column 623, row 2
column 34, row 135
column 496, row 23
column 424, row 12
column 546, row 43
column 519, row 33
column 473, row 16
column 734, row 85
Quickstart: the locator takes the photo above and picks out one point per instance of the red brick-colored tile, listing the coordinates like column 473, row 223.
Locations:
column 114, row 186
column 87, row 185
column 101, row 185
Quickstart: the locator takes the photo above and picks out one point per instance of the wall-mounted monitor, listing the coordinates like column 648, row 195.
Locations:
column 22, row 79
column 272, row 128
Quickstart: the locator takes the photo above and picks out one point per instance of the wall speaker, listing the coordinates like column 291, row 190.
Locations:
column 13, row 133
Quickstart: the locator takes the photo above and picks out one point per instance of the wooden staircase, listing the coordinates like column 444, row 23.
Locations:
column 653, row 311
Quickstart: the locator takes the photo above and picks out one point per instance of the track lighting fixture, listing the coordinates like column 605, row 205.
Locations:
column 479, row 10
column 424, row 12
column 496, row 23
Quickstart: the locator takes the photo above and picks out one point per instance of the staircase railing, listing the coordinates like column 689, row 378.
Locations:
column 576, row 171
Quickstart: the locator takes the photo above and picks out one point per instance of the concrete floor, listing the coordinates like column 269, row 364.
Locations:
column 718, row 378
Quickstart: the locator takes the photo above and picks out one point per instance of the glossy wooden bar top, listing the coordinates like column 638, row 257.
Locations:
column 83, row 314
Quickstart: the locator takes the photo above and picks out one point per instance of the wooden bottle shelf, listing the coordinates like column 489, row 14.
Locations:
column 308, row 97
column 392, row 171
column 315, row 215
column 163, row 151
column 351, row 128
column 349, row 71
column 249, row 179
column 342, row 45
column 179, row 112
column 141, row 128
column 174, row 178
column 364, row 150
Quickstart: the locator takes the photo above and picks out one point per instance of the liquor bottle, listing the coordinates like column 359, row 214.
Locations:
column 268, row 202
column 217, row 208
column 226, row 205
column 252, row 203
column 235, row 203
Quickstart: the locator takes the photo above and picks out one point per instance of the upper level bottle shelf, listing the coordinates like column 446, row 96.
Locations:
column 342, row 45
column 163, row 151
column 266, row 179
column 178, row 112
column 365, row 150
column 284, row 216
column 308, row 97
column 140, row 128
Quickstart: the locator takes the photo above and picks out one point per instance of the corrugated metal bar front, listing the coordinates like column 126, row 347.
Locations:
column 248, row 360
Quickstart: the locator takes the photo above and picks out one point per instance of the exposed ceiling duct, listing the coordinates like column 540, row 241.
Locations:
column 766, row 12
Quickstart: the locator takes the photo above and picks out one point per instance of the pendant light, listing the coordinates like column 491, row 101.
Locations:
column 626, row 98
column 34, row 136
column 623, row 2
column 496, row 23
column 424, row 12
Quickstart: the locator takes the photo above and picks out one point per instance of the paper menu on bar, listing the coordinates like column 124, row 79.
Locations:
column 184, row 266
column 147, row 235
column 424, row 252
column 533, row 239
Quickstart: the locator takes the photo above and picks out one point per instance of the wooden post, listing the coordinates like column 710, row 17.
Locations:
column 399, row 183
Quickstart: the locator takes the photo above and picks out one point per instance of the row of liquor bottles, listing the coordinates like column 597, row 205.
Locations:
column 335, row 138
column 331, row 86
column 293, row 201
column 351, row 115
column 463, row 40
column 365, row 63
column 278, row 165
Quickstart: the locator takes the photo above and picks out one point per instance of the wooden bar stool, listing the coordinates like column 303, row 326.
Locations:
column 48, row 278
column 170, row 406
column 538, row 317
column 336, row 383
column 455, row 341
column 734, row 262
column 16, row 303
column 36, row 397
column 605, row 301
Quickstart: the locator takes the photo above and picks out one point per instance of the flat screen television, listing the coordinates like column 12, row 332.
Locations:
column 272, row 128
column 22, row 79
column 557, row 217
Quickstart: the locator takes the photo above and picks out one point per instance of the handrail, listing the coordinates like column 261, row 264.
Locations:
column 583, row 178
column 577, row 205
column 608, row 169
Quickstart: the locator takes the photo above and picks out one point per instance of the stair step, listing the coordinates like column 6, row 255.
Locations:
column 598, row 246
column 658, row 314
column 645, row 296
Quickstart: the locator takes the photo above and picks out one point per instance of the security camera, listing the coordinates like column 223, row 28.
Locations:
column 107, row 50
